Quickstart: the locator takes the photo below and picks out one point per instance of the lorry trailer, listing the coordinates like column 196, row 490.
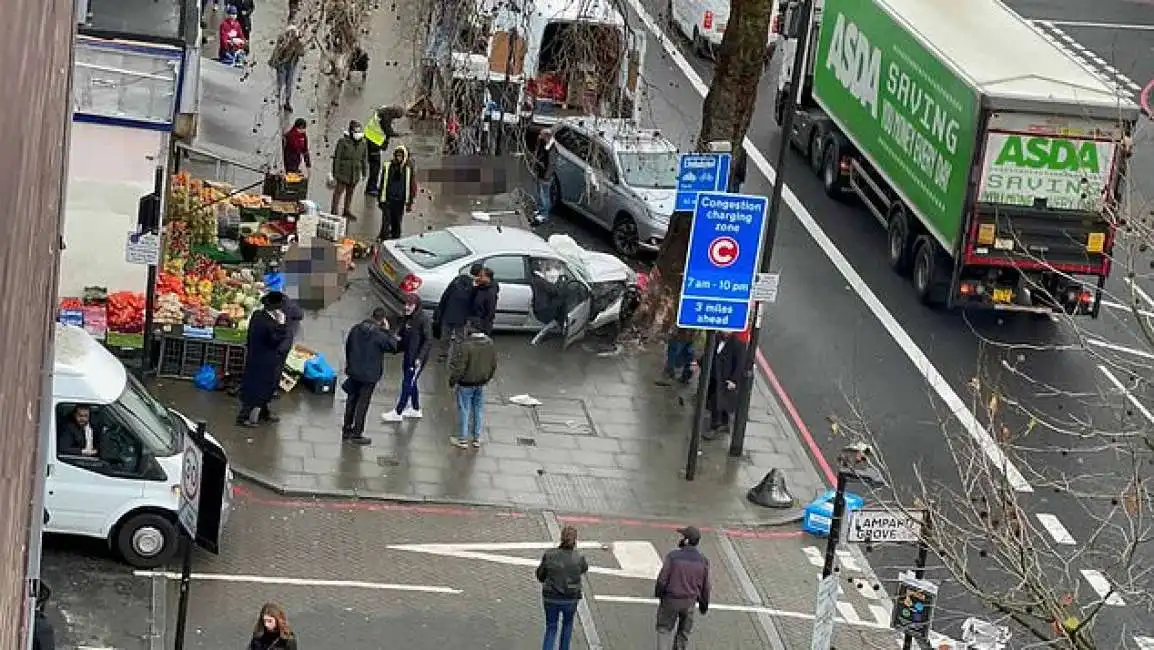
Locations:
column 990, row 155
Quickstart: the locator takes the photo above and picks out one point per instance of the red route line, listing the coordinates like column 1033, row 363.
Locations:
column 365, row 505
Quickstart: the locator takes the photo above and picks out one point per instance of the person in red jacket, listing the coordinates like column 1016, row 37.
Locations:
column 296, row 147
column 231, row 36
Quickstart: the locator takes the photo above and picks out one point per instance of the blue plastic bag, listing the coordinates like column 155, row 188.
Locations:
column 206, row 378
column 317, row 368
column 274, row 281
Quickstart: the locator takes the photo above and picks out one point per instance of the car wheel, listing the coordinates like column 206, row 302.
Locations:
column 147, row 540
column 898, row 240
column 625, row 236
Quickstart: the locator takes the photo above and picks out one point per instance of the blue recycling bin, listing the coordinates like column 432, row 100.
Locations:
column 819, row 512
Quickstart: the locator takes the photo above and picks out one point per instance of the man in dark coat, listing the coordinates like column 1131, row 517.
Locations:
column 721, row 398
column 484, row 304
column 548, row 301
column 453, row 308
column 263, row 362
column 365, row 349
column 416, row 338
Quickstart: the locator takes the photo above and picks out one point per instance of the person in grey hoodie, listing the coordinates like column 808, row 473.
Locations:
column 682, row 583
column 560, row 575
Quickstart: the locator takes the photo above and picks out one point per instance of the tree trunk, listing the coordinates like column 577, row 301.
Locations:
column 725, row 116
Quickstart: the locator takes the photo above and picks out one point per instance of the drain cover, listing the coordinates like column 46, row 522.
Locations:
column 527, row 442
column 388, row 461
column 563, row 416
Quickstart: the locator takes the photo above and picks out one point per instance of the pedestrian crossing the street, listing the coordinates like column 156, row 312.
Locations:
column 1124, row 86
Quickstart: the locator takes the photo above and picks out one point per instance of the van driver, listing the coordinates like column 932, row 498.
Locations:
column 75, row 436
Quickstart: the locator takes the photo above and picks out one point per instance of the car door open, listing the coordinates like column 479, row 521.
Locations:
column 578, row 306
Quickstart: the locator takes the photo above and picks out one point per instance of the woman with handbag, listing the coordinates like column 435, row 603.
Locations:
column 272, row 631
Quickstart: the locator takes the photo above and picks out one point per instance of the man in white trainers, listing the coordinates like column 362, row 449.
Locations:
column 415, row 334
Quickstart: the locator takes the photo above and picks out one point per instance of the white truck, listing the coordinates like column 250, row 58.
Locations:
column 991, row 156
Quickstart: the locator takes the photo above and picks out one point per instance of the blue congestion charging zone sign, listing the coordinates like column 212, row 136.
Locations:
column 724, row 249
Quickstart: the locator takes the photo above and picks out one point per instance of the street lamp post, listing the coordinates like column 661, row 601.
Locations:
column 796, row 83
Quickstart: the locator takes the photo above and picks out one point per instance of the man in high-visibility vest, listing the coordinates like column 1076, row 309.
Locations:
column 397, row 190
column 378, row 131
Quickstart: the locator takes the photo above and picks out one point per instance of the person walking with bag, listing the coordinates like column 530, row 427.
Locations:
column 682, row 584
column 416, row 338
column 350, row 165
column 472, row 364
column 272, row 630
column 365, row 349
column 560, row 574
column 286, row 55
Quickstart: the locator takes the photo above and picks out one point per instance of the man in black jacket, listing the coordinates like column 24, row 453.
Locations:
column 560, row 575
column 484, row 307
column 416, row 337
column 724, row 379
column 683, row 582
column 365, row 348
column 455, row 305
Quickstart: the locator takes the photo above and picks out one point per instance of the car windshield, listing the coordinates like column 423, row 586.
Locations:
column 150, row 420
column 649, row 169
column 432, row 249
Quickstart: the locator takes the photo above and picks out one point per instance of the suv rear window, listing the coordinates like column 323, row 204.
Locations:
column 432, row 249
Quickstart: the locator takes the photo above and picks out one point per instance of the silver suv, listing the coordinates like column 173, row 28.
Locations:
column 620, row 177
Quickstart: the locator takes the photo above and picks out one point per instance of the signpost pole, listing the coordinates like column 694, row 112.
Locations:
column 919, row 567
column 185, row 585
column 797, row 78
column 699, row 404
column 149, row 219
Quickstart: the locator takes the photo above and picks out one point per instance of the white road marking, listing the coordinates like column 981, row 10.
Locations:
column 848, row 613
column 1057, row 531
column 881, row 614
column 1141, row 293
column 917, row 357
column 1099, row 343
column 637, row 559
column 301, row 582
column 1091, row 25
column 748, row 609
column 1126, row 308
column 1130, row 397
column 1144, row 642
column 1101, row 584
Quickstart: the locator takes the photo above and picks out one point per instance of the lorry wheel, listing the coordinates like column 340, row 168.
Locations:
column 147, row 540
column 898, row 240
column 815, row 153
column 931, row 272
column 830, row 174
column 779, row 105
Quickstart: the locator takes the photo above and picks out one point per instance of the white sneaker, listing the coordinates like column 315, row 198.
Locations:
column 413, row 413
column 391, row 416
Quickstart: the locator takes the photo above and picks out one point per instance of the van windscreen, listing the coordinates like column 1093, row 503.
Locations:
column 150, row 419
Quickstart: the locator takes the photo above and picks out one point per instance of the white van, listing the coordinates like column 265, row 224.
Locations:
column 565, row 58
column 703, row 22
column 123, row 484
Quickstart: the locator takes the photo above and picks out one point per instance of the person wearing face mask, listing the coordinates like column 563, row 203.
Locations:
column 683, row 583
column 415, row 334
column 263, row 361
column 548, row 299
column 350, row 165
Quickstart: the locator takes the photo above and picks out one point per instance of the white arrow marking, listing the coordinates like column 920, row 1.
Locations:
column 637, row 559
column 1144, row 642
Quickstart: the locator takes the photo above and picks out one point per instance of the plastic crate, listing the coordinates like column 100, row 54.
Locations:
column 182, row 357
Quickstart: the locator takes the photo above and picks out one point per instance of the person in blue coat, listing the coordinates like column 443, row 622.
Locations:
column 267, row 331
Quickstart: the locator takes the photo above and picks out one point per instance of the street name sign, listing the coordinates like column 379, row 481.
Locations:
column 700, row 172
column 881, row 525
column 721, row 264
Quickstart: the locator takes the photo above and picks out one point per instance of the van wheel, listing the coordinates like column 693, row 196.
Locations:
column 626, row 240
column 147, row 540
column 931, row 272
column 898, row 240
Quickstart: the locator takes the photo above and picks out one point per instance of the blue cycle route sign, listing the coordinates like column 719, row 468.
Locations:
column 721, row 265
column 700, row 172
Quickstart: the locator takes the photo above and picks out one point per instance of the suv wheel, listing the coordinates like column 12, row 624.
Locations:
column 625, row 237
column 147, row 540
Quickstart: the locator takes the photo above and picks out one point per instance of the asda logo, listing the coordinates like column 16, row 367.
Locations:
column 855, row 63
column 1054, row 154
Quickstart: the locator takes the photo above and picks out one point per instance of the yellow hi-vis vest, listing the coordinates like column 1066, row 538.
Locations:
column 373, row 131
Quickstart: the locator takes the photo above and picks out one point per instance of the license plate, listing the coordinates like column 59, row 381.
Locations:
column 389, row 271
column 1003, row 295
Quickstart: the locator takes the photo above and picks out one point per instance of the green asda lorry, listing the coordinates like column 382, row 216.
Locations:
column 991, row 156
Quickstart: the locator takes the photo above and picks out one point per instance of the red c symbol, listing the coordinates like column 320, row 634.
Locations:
column 723, row 251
